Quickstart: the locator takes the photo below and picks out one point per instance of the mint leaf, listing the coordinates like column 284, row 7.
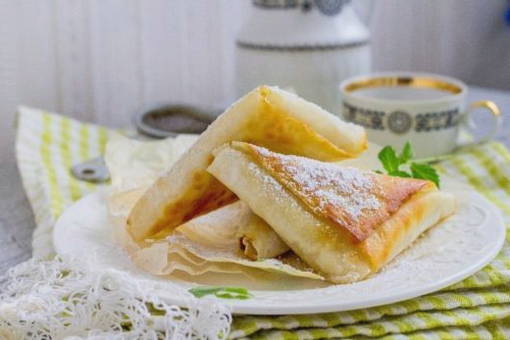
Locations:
column 227, row 295
column 203, row 291
column 400, row 173
column 425, row 171
column 406, row 154
column 221, row 292
column 391, row 163
column 389, row 159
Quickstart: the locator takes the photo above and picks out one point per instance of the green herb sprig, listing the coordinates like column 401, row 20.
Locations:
column 221, row 292
column 393, row 164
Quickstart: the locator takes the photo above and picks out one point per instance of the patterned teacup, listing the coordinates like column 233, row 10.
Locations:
column 427, row 110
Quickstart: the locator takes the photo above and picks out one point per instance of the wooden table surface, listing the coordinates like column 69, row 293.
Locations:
column 17, row 221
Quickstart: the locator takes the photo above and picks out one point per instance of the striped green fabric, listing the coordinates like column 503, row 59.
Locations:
column 476, row 308
column 46, row 146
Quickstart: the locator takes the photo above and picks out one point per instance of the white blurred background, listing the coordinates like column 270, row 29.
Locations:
column 103, row 60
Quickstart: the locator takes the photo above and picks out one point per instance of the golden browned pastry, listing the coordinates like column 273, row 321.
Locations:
column 268, row 117
column 344, row 222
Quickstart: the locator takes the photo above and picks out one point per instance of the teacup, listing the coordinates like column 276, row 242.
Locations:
column 427, row 110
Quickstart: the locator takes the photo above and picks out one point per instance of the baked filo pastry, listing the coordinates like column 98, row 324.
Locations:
column 267, row 116
column 344, row 222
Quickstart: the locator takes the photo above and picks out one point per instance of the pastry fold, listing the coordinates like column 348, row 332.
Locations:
column 344, row 222
column 237, row 228
column 267, row 116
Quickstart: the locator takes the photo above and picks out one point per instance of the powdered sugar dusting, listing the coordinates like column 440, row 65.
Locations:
column 328, row 184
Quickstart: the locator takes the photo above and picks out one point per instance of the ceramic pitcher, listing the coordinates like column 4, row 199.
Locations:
column 309, row 46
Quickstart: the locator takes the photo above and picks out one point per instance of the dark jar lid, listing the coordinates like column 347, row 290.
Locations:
column 173, row 119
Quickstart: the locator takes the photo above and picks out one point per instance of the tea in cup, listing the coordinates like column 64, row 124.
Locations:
column 427, row 110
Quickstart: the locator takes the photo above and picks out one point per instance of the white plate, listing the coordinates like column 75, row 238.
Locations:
column 446, row 254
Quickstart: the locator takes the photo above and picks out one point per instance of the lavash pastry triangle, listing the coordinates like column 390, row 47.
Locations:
column 268, row 117
column 344, row 222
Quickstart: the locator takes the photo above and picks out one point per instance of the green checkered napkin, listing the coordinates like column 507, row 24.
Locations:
column 476, row 308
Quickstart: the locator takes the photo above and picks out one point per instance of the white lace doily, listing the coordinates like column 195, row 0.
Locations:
column 73, row 299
